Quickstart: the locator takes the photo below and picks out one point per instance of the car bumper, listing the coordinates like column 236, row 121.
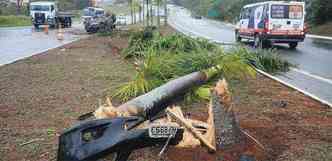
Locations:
column 284, row 38
column 44, row 22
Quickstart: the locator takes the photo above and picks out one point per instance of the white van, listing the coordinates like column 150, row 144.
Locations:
column 272, row 22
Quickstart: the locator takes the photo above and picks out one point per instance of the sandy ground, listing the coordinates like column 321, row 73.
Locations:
column 42, row 95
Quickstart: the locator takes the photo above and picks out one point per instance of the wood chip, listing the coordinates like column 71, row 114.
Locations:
column 32, row 141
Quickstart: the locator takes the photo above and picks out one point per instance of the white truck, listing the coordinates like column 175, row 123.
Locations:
column 47, row 13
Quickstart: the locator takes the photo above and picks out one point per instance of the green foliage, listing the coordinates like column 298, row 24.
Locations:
column 148, row 40
column 161, row 59
column 7, row 8
column 265, row 60
column 318, row 11
column 10, row 21
column 143, row 81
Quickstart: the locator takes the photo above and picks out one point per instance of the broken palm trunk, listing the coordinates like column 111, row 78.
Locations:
column 227, row 129
column 222, row 129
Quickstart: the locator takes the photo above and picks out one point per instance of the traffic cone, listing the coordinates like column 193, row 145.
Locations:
column 46, row 29
column 60, row 35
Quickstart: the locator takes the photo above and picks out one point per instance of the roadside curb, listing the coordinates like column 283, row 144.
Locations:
column 319, row 37
column 295, row 88
column 15, row 27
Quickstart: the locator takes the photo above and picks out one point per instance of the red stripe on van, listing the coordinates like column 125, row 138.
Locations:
column 286, row 32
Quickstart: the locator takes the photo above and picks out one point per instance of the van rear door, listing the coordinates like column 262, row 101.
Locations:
column 287, row 19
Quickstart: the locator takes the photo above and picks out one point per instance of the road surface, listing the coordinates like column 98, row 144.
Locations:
column 20, row 42
column 313, row 57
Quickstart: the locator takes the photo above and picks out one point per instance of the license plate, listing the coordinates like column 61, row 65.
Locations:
column 162, row 131
column 296, row 26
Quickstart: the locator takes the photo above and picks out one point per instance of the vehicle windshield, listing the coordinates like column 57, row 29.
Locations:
column 287, row 11
column 100, row 12
column 40, row 8
column 86, row 12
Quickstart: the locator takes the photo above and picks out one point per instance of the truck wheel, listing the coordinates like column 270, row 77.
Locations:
column 293, row 45
column 237, row 36
column 57, row 25
column 258, row 43
column 267, row 44
column 69, row 22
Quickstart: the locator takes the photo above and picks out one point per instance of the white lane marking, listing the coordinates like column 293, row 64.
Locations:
column 312, row 75
column 313, row 96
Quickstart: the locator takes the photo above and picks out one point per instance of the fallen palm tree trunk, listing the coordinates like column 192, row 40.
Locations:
column 151, row 103
column 157, row 100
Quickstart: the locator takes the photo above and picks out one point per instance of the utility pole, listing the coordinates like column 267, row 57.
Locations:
column 151, row 13
column 143, row 12
column 147, row 13
column 166, row 12
column 131, row 11
column 134, row 11
column 140, row 12
column 158, row 5
column 28, row 7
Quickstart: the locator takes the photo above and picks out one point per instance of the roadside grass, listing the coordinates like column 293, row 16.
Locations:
column 324, row 30
column 13, row 21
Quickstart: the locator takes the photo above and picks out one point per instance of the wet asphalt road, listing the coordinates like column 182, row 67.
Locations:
column 313, row 57
column 20, row 42
column 17, row 43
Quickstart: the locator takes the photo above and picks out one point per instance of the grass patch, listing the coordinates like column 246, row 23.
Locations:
column 325, row 30
column 12, row 21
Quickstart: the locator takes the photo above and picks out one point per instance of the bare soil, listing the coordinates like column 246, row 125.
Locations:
column 44, row 94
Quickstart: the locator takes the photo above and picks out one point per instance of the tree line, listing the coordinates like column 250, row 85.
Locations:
column 20, row 8
column 318, row 11
column 148, row 10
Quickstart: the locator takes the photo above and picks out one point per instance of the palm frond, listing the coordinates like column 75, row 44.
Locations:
column 169, row 57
